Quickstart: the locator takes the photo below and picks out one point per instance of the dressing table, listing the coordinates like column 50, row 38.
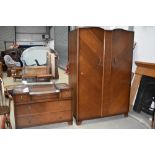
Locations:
column 42, row 103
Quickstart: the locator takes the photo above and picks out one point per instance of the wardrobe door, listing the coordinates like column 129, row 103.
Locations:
column 118, row 78
column 90, row 73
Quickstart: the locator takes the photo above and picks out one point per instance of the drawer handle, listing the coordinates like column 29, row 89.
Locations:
column 99, row 62
column 115, row 60
column 82, row 73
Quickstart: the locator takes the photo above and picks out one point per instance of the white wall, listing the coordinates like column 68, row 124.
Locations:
column 145, row 44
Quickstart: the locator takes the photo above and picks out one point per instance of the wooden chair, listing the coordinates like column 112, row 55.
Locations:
column 4, row 108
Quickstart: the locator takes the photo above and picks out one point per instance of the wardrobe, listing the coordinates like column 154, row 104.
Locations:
column 100, row 63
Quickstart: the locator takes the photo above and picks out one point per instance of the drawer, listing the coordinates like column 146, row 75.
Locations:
column 41, row 107
column 44, row 118
column 22, row 98
column 45, row 97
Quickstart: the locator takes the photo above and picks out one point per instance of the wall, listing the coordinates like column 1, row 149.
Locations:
column 61, row 44
column 25, row 35
column 50, row 43
column 30, row 35
column 52, row 32
column 7, row 34
column 145, row 44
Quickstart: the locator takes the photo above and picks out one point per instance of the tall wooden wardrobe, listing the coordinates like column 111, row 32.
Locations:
column 100, row 63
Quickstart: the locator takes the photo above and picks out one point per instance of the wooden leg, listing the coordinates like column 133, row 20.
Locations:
column 2, row 122
column 8, row 123
column 70, row 123
column 78, row 122
column 126, row 115
column 153, row 125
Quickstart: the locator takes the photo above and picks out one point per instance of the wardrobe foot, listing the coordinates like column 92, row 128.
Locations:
column 126, row 115
column 78, row 122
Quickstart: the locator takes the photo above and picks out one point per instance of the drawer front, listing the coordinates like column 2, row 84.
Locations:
column 45, row 97
column 44, row 118
column 37, row 108
column 22, row 98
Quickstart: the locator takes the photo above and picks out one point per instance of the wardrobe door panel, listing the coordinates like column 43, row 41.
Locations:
column 120, row 73
column 90, row 73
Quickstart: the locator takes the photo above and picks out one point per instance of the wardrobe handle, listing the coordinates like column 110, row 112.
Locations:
column 114, row 60
column 82, row 73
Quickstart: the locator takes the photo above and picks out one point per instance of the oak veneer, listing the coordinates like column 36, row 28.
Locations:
column 100, row 63
column 34, row 107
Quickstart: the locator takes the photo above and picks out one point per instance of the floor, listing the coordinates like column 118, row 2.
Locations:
column 115, row 122
column 133, row 121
